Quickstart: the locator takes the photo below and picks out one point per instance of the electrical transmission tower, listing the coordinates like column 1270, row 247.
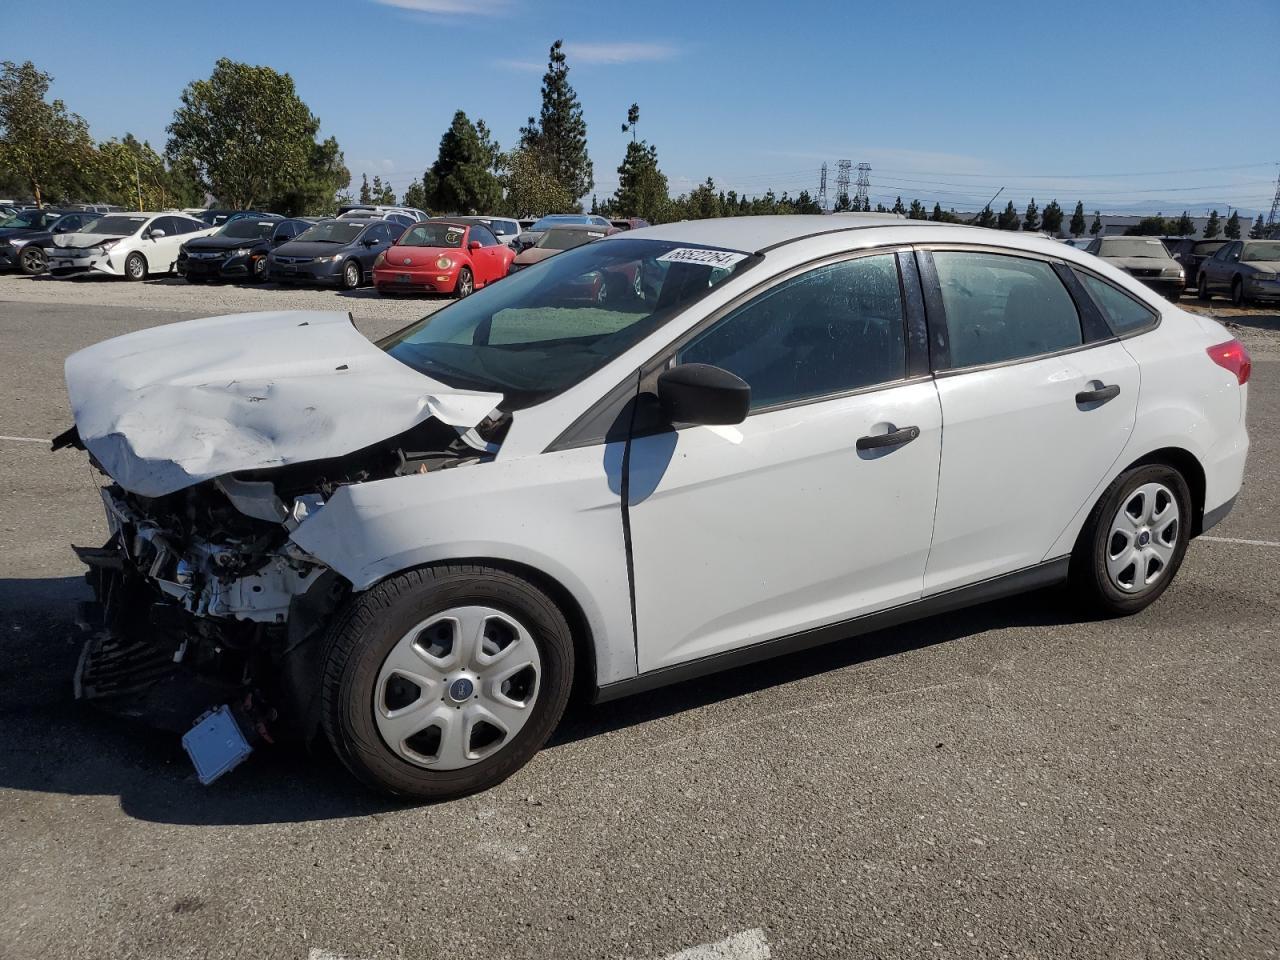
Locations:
column 842, row 180
column 822, row 188
column 864, row 185
column 1273, row 219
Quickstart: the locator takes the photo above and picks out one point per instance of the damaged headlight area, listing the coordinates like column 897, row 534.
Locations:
column 202, row 598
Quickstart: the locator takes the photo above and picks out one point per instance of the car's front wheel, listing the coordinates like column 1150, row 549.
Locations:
column 135, row 266
column 445, row 680
column 350, row 275
column 466, row 284
column 1202, row 288
column 33, row 261
column 1134, row 540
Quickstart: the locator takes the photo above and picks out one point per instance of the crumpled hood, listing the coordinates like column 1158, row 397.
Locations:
column 172, row 406
column 85, row 239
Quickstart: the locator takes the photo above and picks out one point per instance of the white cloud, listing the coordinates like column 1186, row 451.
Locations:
column 453, row 8
column 614, row 53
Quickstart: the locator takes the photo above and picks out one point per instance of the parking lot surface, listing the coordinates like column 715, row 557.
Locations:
column 1010, row 780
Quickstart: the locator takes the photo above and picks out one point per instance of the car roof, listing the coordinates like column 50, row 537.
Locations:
column 761, row 233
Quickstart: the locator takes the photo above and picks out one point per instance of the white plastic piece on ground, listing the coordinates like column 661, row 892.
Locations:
column 171, row 406
column 216, row 744
column 748, row 945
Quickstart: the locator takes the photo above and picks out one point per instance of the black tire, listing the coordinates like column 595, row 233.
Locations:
column 1089, row 578
column 135, row 267
column 257, row 269
column 466, row 284
column 1202, row 287
column 352, row 274
column 1238, row 298
column 33, row 261
column 374, row 622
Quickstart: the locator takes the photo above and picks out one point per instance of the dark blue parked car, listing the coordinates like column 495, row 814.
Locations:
column 24, row 236
column 337, row 252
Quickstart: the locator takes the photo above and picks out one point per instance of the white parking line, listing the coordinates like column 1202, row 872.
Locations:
column 1250, row 543
column 747, row 945
column 26, row 439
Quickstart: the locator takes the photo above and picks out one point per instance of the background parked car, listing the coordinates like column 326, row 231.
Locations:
column 1144, row 258
column 23, row 247
column 403, row 219
column 132, row 245
column 630, row 223
column 557, row 239
column 334, row 251
column 1079, row 243
column 1195, row 253
column 413, row 213
column 238, row 251
column 529, row 237
column 504, row 228
column 442, row 256
column 1248, row 269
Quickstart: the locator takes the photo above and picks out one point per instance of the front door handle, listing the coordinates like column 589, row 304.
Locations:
column 893, row 438
column 1100, row 395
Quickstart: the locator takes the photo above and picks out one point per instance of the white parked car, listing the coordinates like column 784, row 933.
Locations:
column 774, row 432
column 131, row 245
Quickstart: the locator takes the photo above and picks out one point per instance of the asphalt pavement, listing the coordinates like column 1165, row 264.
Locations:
column 1011, row 780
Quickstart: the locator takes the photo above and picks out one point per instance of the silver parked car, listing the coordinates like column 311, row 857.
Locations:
column 1247, row 269
column 1145, row 259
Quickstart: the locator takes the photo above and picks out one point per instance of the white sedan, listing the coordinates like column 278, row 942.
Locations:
column 131, row 245
column 766, row 434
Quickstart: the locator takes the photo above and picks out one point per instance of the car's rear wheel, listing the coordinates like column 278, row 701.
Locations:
column 350, row 275
column 445, row 680
column 33, row 261
column 466, row 284
column 1134, row 540
column 135, row 266
column 1237, row 292
column 1202, row 288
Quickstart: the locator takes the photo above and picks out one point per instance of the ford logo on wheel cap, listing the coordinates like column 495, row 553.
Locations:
column 461, row 689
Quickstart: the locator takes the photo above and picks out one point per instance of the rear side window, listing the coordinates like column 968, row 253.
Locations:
column 1002, row 308
column 1124, row 314
column 831, row 330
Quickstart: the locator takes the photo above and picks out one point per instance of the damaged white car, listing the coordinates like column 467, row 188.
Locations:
column 130, row 245
column 772, row 433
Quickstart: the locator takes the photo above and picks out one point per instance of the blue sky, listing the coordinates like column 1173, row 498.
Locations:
column 1105, row 102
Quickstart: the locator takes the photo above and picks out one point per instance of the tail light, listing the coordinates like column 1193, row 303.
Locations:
column 1234, row 357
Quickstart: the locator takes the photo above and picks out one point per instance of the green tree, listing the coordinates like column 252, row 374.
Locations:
column 1008, row 218
column 1213, row 227
column 843, row 203
column 366, row 194
column 489, row 147
column 1051, row 219
column 702, row 202
column 530, row 189
column 558, row 136
column 316, row 192
column 246, row 132
column 917, row 211
column 382, row 192
column 1183, row 226
column 132, row 175
column 1031, row 220
column 415, row 195
column 43, row 147
column 1077, row 220
column 462, row 180
column 1259, row 230
column 803, row 203
column 1095, row 228
column 642, row 186
column 898, row 207
column 1232, row 231
column 1156, row 226
column 986, row 218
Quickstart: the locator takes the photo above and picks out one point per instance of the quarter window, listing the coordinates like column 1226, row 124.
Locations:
column 1002, row 308
column 1124, row 314
column 831, row 330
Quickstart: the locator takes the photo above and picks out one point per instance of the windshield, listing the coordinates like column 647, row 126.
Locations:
column 1261, row 251
column 1207, row 248
column 543, row 329
column 114, row 226
column 332, row 231
column 566, row 239
column 433, row 235
column 1134, row 247
column 247, row 229
column 546, row 223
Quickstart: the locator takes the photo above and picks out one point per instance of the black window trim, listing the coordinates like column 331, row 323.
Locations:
column 939, row 342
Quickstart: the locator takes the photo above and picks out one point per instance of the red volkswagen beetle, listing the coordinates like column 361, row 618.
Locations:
column 441, row 256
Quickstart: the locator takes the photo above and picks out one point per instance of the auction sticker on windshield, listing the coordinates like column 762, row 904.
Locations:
column 708, row 258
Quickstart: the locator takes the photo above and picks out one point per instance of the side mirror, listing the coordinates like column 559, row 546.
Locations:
column 699, row 393
column 473, row 245
column 157, row 234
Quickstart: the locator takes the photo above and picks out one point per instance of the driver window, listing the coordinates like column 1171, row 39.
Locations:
column 831, row 330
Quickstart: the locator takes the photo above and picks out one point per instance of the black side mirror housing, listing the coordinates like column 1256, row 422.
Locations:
column 698, row 393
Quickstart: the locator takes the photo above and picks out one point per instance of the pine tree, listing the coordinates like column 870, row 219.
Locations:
column 365, row 195
column 1259, row 230
column 987, row 218
column 1051, row 219
column 1031, row 221
column 1077, row 220
column 461, row 180
column 1213, row 227
column 1096, row 227
column 917, row 211
column 382, row 192
column 642, row 187
column 843, row 203
column 936, row 216
column 558, row 137
column 1232, row 232
column 898, row 208
column 1008, row 219
column 1183, row 226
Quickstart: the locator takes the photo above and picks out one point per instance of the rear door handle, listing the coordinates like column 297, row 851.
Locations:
column 1101, row 395
column 894, row 438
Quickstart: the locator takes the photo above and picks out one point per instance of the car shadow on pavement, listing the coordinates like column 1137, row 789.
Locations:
column 56, row 744
column 1254, row 321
